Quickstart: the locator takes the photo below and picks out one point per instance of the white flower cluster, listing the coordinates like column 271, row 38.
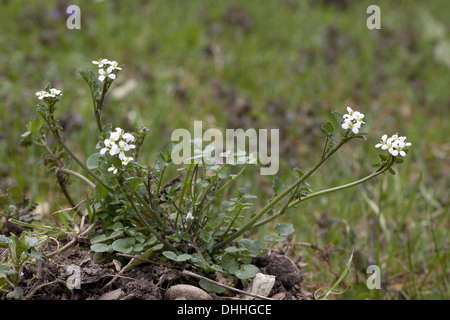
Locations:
column 118, row 143
column 353, row 120
column 394, row 144
column 53, row 94
column 107, row 69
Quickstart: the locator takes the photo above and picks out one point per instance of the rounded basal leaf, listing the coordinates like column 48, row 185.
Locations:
column 123, row 245
column 229, row 263
column 183, row 257
column 173, row 256
column 284, row 229
column 100, row 247
column 247, row 271
column 94, row 161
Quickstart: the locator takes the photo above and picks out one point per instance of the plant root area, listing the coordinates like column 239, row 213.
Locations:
column 146, row 281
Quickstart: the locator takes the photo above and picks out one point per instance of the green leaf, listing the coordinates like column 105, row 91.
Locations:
column 31, row 241
column 269, row 238
column 211, row 286
column 36, row 254
column 343, row 275
column 17, row 293
column 183, row 257
column 284, row 229
column 4, row 239
column 247, row 271
column 124, row 245
column 229, row 263
column 100, row 191
column 277, row 185
column 327, row 127
column 391, row 171
column 173, row 256
column 100, row 247
column 254, row 247
column 94, row 161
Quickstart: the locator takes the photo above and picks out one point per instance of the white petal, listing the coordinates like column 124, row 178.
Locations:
column 402, row 153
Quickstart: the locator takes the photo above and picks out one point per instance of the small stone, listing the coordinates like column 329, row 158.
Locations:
column 186, row 292
column 111, row 295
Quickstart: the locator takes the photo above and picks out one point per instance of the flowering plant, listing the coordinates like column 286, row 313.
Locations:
column 196, row 218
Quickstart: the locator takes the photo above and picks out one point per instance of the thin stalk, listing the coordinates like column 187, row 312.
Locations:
column 73, row 156
column 78, row 175
column 98, row 107
column 152, row 212
column 231, row 223
column 326, row 191
column 232, row 179
column 275, row 200
column 149, row 227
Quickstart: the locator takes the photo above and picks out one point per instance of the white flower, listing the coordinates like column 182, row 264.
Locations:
column 113, row 169
column 383, row 143
column 351, row 124
column 101, row 62
column 128, row 137
column 118, row 143
column 42, row 94
column 126, row 160
column 105, row 74
column 189, row 216
column 54, row 93
column 113, row 66
column 352, row 120
column 395, row 144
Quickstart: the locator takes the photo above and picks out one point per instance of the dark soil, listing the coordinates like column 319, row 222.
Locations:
column 144, row 282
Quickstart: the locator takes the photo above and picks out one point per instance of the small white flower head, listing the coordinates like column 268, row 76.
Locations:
column 189, row 216
column 383, row 143
column 105, row 74
column 118, row 143
column 352, row 120
column 42, row 94
column 395, row 144
column 51, row 95
column 113, row 65
column 101, row 62
column 113, row 169
column 127, row 160
column 107, row 69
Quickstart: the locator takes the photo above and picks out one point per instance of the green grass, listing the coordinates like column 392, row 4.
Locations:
column 302, row 56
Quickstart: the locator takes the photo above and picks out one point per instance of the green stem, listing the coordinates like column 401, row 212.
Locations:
column 232, row 179
column 276, row 199
column 377, row 172
column 149, row 227
column 98, row 107
column 152, row 212
column 72, row 155
column 78, row 175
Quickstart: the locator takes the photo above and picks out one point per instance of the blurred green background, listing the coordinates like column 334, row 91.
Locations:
column 260, row 64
